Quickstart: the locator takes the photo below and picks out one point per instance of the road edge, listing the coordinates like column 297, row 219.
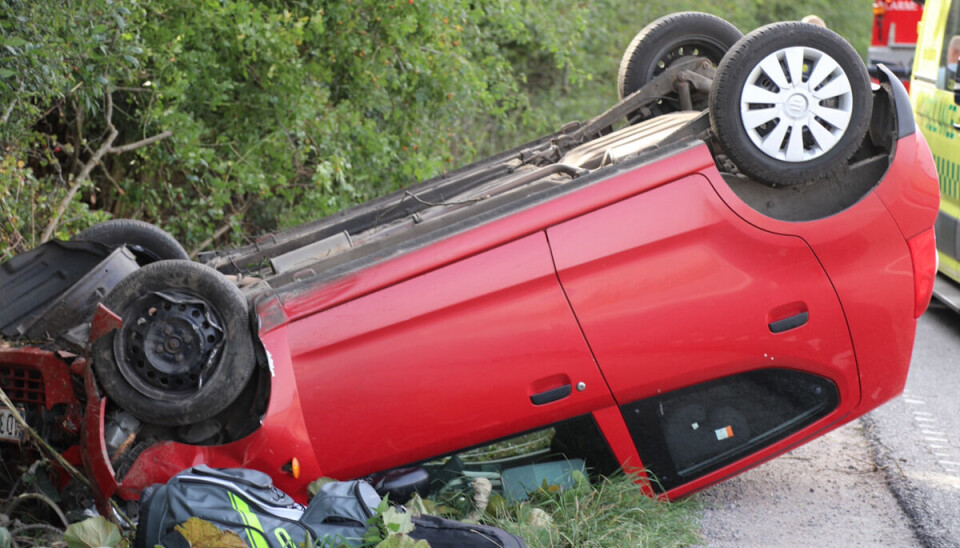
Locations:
column 906, row 492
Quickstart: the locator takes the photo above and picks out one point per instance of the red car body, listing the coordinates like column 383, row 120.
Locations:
column 644, row 286
column 648, row 280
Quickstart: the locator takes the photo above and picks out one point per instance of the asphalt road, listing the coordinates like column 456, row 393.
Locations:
column 826, row 493
column 891, row 478
column 916, row 437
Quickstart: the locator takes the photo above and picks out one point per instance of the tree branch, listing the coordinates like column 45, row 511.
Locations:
column 8, row 403
column 6, row 114
column 110, row 178
column 222, row 230
column 13, row 103
column 82, row 177
column 78, row 137
column 106, row 148
column 141, row 143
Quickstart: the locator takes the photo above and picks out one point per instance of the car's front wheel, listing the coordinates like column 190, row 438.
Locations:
column 184, row 351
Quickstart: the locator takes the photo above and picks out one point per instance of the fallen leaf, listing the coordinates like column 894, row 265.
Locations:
column 203, row 534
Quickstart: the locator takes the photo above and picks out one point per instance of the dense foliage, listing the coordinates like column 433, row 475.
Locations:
column 220, row 119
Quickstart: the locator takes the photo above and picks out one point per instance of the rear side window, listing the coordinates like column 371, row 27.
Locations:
column 687, row 433
column 946, row 76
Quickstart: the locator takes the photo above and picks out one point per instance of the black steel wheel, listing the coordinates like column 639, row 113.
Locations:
column 148, row 243
column 683, row 35
column 790, row 104
column 184, row 351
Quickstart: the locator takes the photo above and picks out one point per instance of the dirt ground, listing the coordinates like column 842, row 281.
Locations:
column 826, row 493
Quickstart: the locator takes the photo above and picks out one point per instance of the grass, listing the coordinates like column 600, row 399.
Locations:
column 613, row 512
column 596, row 512
column 512, row 447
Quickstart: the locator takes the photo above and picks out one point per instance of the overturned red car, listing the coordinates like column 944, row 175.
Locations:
column 727, row 263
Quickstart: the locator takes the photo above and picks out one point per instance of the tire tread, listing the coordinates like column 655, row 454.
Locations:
column 724, row 105
column 237, row 361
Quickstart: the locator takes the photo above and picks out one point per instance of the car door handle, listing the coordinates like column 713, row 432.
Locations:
column 553, row 394
column 787, row 324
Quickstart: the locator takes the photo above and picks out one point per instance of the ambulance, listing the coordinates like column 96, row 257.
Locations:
column 935, row 94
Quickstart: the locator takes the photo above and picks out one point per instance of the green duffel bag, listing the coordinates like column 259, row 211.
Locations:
column 247, row 503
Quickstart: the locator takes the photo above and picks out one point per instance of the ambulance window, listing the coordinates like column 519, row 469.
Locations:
column 951, row 49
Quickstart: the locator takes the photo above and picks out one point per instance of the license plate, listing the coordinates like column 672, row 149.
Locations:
column 10, row 429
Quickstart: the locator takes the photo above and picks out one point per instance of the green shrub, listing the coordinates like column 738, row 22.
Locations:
column 284, row 111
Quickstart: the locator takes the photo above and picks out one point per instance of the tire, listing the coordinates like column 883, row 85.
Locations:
column 684, row 34
column 782, row 133
column 148, row 243
column 184, row 351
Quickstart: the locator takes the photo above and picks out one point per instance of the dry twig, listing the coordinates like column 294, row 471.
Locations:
column 76, row 474
column 106, row 148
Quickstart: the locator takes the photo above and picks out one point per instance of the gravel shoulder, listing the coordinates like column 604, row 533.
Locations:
column 826, row 493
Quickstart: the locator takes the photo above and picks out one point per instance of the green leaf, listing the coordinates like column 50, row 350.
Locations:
column 403, row 541
column 5, row 539
column 7, row 73
column 418, row 506
column 14, row 41
column 92, row 533
column 397, row 522
column 497, row 506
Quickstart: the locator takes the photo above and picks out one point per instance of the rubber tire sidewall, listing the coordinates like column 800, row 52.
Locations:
column 665, row 34
column 236, row 362
column 153, row 239
column 728, row 86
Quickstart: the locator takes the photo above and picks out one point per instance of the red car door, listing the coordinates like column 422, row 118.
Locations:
column 477, row 350
column 673, row 289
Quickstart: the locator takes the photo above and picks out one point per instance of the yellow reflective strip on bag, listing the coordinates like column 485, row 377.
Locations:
column 284, row 538
column 254, row 529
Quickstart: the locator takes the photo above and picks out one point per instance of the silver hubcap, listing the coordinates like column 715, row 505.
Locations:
column 796, row 104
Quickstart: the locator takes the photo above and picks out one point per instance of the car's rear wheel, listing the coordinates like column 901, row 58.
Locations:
column 184, row 351
column 668, row 40
column 790, row 103
column 148, row 243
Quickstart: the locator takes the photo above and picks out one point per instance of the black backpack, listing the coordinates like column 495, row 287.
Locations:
column 247, row 503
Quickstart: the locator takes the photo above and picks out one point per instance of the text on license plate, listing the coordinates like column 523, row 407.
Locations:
column 10, row 429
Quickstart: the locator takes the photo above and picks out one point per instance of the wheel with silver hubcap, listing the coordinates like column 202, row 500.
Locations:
column 790, row 104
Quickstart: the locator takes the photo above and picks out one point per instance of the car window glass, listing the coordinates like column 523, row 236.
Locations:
column 515, row 467
column 687, row 433
column 950, row 50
